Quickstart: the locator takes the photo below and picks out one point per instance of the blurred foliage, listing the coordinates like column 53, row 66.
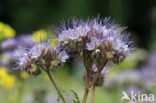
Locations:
column 7, row 81
column 54, row 42
column 40, row 35
column 133, row 60
column 27, row 15
column 24, row 75
column 6, row 31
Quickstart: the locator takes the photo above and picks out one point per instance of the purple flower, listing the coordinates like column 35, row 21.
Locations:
column 74, row 33
column 16, row 48
column 26, row 57
column 21, row 58
column 57, row 49
column 25, row 41
column 104, row 70
column 24, row 61
column 148, row 71
column 40, row 50
column 94, row 68
column 102, row 37
column 8, row 44
column 61, row 54
column 94, row 43
column 108, row 33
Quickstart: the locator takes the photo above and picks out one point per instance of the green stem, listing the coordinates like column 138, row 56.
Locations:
column 85, row 95
column 95, row 78
column 53, row 82
column 93, row 94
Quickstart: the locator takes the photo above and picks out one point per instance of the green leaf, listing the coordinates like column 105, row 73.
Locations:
column 64, row 93
column 77, row 100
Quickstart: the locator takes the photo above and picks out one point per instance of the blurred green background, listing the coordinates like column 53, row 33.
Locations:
column 27, row 16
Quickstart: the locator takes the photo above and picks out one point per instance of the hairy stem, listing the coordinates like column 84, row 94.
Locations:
column 85, row 95
column 95, row 78
column 93, row 94
column 53, row 82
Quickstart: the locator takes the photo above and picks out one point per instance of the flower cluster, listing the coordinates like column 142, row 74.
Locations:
column 25, row 53
column 11, row 46
column 96, row 41
column 40, row 55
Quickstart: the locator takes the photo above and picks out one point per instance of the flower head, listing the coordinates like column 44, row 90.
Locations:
column 97, row 42
column 40, row 50
column 74, row 33
column 61, row 54
column 39, row 55
column 8, row 44
column 100, row 37
column 15, row 47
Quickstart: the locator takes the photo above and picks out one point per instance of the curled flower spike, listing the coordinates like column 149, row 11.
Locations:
column 39, row 55
column 101, row 37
